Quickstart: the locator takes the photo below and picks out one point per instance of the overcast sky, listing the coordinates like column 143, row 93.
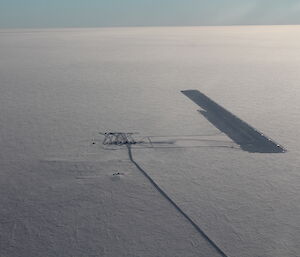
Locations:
column 95, row 13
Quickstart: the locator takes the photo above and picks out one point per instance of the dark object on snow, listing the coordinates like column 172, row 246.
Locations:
column 118, row 173
column 240, row 132
column 118, row 138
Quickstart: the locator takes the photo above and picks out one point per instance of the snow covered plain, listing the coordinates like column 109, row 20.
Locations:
column 58, row 192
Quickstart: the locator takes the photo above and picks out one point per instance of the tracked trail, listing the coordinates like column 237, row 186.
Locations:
column 165, row 195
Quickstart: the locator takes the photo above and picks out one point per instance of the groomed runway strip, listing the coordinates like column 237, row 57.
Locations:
column 249, row 139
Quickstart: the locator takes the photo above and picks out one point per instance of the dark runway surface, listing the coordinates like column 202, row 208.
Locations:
column 240, row 132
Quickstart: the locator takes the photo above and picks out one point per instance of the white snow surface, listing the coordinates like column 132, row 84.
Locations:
column 58, row 192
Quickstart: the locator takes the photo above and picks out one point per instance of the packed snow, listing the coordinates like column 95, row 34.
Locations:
column 64, row 193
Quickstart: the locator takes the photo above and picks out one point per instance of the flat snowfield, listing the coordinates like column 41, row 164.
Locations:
column 185, row 189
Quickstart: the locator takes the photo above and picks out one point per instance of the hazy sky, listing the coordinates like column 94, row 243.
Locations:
column 94, row 13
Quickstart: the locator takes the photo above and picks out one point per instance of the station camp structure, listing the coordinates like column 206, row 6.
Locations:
column 118, row 138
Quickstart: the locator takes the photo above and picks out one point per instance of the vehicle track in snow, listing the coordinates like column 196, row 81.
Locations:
column 165, row 195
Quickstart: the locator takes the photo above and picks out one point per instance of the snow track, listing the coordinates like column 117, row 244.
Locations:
column 165, row 195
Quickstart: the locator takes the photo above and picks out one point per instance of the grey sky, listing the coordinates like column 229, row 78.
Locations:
column 94, row 13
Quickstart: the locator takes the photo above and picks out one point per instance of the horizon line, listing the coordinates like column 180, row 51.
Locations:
column 147, row 26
